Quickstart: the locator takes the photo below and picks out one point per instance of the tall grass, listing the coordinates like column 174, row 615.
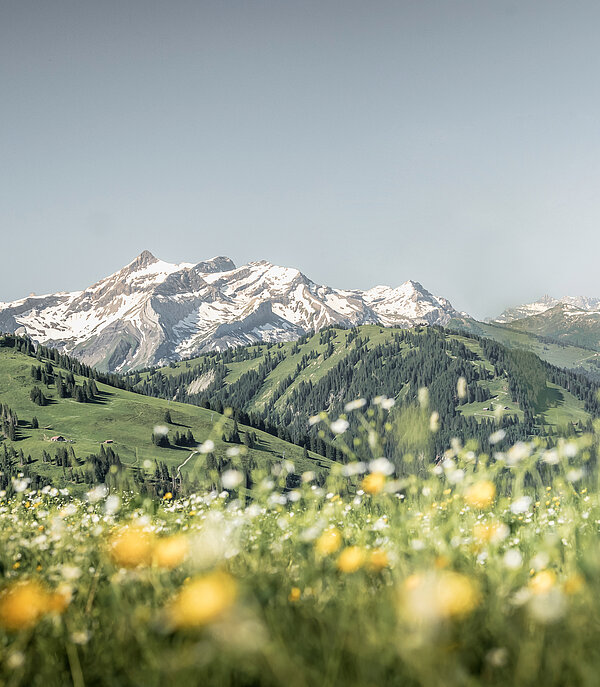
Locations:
column 474, row 570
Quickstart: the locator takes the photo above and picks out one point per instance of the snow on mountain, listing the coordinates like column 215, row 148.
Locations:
column 546, row 303
column 151, row 311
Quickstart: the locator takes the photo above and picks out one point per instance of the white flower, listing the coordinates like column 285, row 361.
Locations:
column 521, row 505
column 575, row 475
column 20, row 485
column 461, row 387
column 207, row 446
column 497, row 436
column 382, row 465
column 339, row 426
column 231, row 479
column 233, row 451
column 518, row 452
column 161, row 430
column 388, row 403
column 97, row 493
column 314, row 419
column 423, row 396
column 353, row 469
column 434, row 421
column 550, row 457
column 513, row 559
column 355, row 405
column 112, row 505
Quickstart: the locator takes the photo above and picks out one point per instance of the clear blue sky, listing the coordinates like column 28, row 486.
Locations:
column 454, row 142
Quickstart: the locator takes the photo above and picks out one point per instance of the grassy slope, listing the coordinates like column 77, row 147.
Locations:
column 126, row 418
column 567, row 355
column 562, row 406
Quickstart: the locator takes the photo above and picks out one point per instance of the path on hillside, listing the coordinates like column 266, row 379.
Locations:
column 193, row 453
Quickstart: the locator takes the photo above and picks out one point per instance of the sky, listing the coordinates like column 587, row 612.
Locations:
column 456, row 143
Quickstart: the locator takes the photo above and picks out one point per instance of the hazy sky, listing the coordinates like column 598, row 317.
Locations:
column 365, row 142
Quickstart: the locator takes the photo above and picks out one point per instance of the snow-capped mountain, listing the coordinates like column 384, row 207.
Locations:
column 582, row 303
column 151, row 311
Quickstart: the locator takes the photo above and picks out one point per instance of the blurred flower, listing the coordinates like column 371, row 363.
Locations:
column 207, row 446
column 294, row 594
column 542, row 582
column 23, row 605
column 329, row 542
column 161, row 430
column 350, row 559
column 382, row 465
column 378, row 560
column 170, row 552
column 438, row 595
column 131, row 547
column 202, row 600
column 355, row 405
column 521, row 505
column 231, row 479
column 339, row 426
column 461, row 387
column 494, row 532
column 513, row 559
column 481, row 494
column 497, row 436
column 434, row 421
column 373, row 483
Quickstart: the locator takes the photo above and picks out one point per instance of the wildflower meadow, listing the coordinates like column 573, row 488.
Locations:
column 483, row 569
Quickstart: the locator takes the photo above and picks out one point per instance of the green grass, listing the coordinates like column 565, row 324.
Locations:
column 567, row 356
column 478, row 573
column 126, row 418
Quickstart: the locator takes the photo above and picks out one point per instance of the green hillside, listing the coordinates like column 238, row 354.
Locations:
column 560, row 353
column 285, row 384
column 126, row 420
column 564, row 324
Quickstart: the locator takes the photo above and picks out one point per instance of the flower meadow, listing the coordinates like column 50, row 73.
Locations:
column 485, row 569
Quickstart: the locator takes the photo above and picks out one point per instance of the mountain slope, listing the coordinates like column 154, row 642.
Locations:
column 564, row 323
column 125, row 419
column 287, row 383
column 151, row 312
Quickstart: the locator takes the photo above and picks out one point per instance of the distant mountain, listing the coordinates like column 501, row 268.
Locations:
column 152, row 312
column 544, row 304
column 565, row 323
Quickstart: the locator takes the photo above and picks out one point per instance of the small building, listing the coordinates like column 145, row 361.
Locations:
column 108, row 441
column 57, row 438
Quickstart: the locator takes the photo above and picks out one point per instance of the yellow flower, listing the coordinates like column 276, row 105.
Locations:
column 329, row 542
column 373, row 483
column 131, row 547
column 351, row 559
column 23, row 605
column 168, row 496
column 170, row 551
column 378, row 560
column 59, row 600
column 294, row 594
column 481, row 494
column 202, row 600
column 574, row 584
column 438, row 596
column 542, row 582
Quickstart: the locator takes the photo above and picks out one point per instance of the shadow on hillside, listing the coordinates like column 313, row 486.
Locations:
column 553, row 398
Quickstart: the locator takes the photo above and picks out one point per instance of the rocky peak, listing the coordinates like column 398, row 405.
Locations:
column 144, row 259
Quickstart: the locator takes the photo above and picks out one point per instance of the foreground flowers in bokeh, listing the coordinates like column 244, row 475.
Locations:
column 202, row 600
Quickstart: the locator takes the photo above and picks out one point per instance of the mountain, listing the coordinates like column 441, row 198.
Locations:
column 564, row 323
column 152, row 312
column 285, row 384
column 544, row 304
column 115, row 419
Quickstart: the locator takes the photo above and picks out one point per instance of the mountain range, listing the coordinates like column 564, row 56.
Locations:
column 151, row 312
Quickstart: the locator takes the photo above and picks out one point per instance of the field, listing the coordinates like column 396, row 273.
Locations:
column 126, row 419
column 477, row 572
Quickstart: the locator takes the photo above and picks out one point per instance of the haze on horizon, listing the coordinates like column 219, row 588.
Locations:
column 455, row 144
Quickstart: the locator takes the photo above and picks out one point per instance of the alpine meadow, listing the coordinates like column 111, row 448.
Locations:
column 357, row 446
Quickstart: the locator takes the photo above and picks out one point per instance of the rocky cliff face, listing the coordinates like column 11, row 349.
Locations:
column 151, row 312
